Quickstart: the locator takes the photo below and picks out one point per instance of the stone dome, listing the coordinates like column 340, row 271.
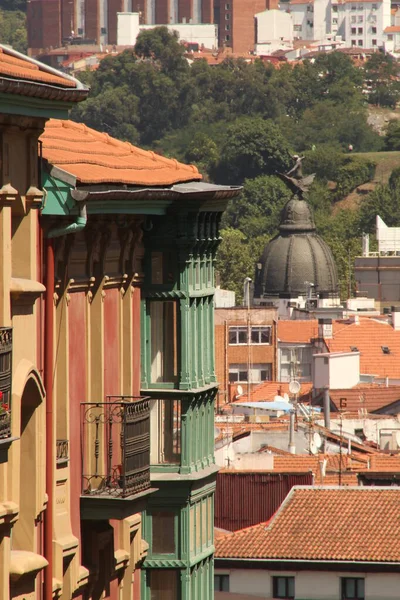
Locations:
column 295, row 257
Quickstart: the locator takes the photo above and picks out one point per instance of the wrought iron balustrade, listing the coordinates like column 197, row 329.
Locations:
column 5, row 381
column 62, row 451
column 116, row 446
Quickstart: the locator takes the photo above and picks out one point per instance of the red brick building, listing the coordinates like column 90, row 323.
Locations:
column 236, row 22
column 245, row 348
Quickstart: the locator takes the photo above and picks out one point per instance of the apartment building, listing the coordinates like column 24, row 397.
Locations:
column 245, row 349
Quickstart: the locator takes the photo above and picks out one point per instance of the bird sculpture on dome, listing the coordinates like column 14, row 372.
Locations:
column 295, row 180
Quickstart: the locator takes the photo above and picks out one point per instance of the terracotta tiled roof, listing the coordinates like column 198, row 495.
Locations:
column 20, row 68
column 94, row 157
column 269, row 389
column 297, row 332
column 370, row 398
column 369, row 336
column 385, row 463
column 328, row 524
column 392, row 29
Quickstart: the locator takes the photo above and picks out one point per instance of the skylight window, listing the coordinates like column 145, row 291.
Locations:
column 385, row 349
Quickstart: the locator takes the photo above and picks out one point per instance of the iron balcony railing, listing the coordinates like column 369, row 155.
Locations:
column 116, row 446
column 5, row 381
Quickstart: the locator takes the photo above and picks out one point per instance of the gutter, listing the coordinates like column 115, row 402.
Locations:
column 78, row 225
column 307, row 561
column 43, row 67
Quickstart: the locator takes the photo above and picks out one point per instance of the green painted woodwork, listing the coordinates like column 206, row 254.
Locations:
column 58, row 200
column 187, row 238
column 14, row 104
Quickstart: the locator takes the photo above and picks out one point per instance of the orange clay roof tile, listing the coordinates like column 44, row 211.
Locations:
column 94, row 157
column 18, row 68
column 269, row 389
column 369, row 336
column 370, row 398
column 297, row 332
column 329, row 524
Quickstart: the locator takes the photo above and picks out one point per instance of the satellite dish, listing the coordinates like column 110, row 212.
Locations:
column 239, row 390
column 286, row 397
column 318, row 440
column 294, row 387
column 398, row 438
column 313, row 448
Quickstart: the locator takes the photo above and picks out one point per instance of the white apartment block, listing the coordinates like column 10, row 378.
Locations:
column 359, row 23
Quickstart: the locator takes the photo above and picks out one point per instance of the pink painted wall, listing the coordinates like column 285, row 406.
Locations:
column 136, row 342
column 77, row 394
column 111, row 345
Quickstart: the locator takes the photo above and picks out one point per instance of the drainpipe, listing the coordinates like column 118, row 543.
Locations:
column 327, row 408
column 48, row 384
column 291, row 446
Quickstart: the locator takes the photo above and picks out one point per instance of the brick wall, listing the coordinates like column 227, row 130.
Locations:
column 114, row 6
column 67, row 18
column 92, row 20
column 184, row 10
column 207, row 11
column 227, row 354
column 44, row 23
column 243, row 25
column 162, row 12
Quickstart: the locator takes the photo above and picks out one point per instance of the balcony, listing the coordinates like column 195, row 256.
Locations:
column 5, row 382
column 115, row 438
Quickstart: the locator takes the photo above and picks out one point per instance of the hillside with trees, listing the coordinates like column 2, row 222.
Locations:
column 241, row 122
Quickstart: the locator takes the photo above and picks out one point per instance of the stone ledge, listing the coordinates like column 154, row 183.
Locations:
column 23, row 563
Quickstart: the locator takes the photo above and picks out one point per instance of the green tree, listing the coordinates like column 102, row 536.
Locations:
column 114, row 111
column 382, row 73
column 202, row 151
column 252, row 147
column 392, row 135
column 161, row 46
column 13, row 5
column 257, row 210
column 234, row 261
column 13, row 29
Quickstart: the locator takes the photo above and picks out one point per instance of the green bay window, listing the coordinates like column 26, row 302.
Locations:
column 165, row 427
column 164, row 357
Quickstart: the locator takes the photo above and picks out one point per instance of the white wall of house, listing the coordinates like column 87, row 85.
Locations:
column 129, row 28
column 365, row 22
column 274, row 31
column 312, row 585
column 340, row 370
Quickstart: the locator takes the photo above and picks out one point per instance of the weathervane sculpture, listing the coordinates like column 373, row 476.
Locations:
column 295, row 180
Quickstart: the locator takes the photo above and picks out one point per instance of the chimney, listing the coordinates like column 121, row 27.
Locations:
column 396, row 317
column 325, row 329
column 327, row 409
column 291, row 447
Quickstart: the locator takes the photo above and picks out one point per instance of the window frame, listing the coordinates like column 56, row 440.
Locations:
column 222, row 577
column 237, row 330
column 287, row 579
column 344, row 581
column 260, row 329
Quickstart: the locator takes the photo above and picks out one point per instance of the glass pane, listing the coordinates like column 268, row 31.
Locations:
column 163, row 525
column 290, row 591
column 232, row 336
column 225, row 583
column 166, row 435
column 349, row 588
column 255, row 335
column 265, row 335
column 233, row 376
column 360, row 588
column 281, row 587
column 242, row 336
column 164, row 341
column 164, row 584
column 243, row 376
